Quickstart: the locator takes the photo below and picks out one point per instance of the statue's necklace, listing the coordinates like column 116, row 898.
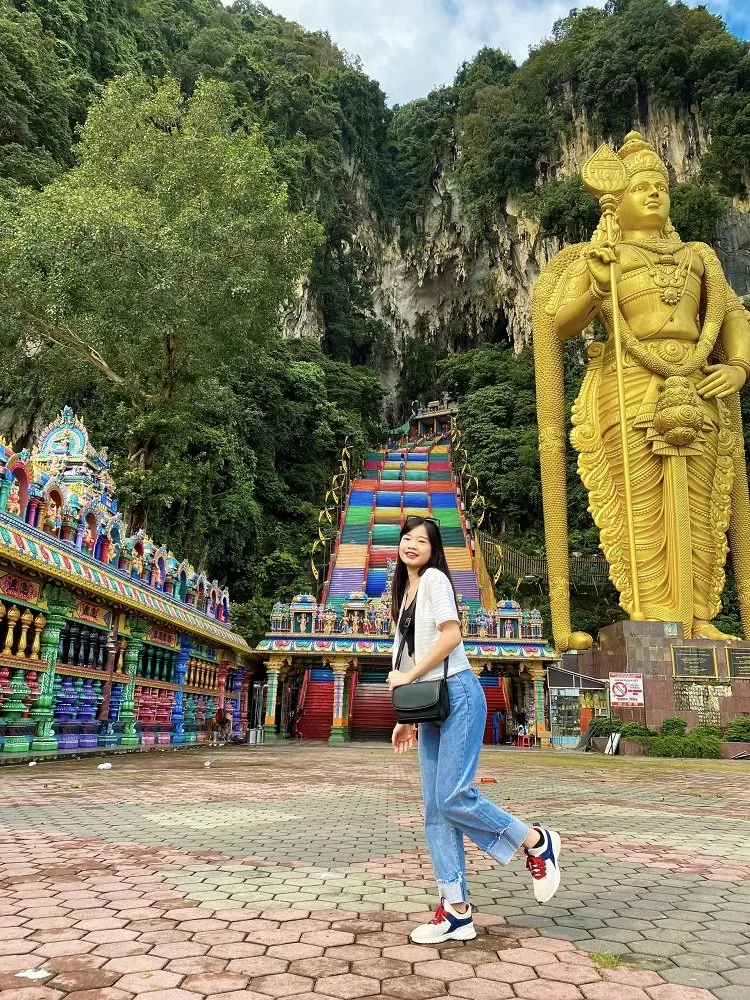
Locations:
column 667, row 272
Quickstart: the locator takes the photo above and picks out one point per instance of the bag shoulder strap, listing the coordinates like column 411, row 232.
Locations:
column 402, row 627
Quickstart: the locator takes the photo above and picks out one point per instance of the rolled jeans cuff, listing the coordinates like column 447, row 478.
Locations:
column 452, row 892
column 507, row 843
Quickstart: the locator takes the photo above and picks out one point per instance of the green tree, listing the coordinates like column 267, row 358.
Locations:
column 160, row 262
column 35, row 132
column 168, row 250
column 696, row 211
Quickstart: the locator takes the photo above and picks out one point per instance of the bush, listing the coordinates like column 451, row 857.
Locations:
column 668, row 746
column 679, row 746
column 715, row 732
column 703, row 746
column 673, row 726
column 635, row 731
column 738, row 731
column 603, row 726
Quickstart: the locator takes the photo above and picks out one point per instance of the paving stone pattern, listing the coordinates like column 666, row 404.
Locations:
column 298, row 871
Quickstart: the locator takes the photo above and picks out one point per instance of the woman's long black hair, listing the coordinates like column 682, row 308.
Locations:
column 437, row 560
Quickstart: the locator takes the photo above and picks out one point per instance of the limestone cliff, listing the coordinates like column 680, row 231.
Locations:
column 465, row 291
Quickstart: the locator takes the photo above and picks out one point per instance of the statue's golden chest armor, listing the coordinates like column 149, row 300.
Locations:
column 660, row 293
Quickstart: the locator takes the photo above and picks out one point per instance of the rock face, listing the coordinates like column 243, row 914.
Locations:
column 464, row 291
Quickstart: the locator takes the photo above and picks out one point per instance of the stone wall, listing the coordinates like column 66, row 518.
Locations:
column 643, row 647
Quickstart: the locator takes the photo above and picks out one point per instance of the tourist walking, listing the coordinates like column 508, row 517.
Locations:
column 424, row 604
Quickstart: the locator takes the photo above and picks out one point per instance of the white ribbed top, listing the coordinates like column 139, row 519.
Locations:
column 436, row 605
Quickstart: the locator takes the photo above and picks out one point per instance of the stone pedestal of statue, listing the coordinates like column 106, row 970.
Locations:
column 701, row 680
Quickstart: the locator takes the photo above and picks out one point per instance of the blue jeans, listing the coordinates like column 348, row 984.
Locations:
column 448, row 759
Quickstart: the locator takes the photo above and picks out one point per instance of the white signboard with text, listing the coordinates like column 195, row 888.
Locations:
column 626, row 690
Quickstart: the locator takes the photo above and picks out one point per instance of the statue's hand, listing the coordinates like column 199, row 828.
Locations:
column 721, row 381
column 598, row 260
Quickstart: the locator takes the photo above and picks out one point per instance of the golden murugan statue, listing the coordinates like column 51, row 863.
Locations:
column 657, row 422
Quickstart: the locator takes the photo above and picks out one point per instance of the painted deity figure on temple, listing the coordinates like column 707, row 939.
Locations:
column 508, row 629
column 657, row 422
column 13, row 505
column 88, row 543
column 51, row 523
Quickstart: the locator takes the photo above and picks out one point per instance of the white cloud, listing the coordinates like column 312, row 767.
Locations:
column 412, row 46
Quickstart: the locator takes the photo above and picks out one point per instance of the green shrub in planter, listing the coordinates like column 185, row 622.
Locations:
column 667, row 746
column 602, row 726
column 673, row 726
column 738, row 731
column 635, row 731
column 707, row 730
column 703, row 745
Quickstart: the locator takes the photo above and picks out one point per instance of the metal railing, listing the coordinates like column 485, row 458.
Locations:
column 506, row 560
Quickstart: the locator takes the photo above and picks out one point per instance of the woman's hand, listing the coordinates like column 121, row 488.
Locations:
column 721, row 381
column 598, row 260
column 396, row 678
column 404, row 737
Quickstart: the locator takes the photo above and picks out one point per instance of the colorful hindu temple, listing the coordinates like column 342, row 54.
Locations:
column 328, row 658
column 106, row 639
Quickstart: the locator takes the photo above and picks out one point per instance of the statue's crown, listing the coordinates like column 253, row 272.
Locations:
column 639, row 156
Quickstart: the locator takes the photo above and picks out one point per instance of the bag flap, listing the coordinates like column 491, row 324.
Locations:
column 416, row 696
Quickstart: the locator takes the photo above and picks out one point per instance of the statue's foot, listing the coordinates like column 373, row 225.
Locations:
column 706, row 630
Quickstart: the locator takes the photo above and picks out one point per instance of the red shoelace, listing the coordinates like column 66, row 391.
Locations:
column 537, row 866
column 439, row 916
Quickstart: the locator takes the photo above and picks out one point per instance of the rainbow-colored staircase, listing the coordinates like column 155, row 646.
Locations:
column 394, row 485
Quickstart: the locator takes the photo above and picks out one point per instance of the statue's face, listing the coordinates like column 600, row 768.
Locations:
column 645, row 204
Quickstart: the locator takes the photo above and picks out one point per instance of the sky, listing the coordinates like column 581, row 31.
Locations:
column 412, row 46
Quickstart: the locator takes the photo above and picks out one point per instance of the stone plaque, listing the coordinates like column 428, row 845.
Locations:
column 694, row 662
column 739, row 663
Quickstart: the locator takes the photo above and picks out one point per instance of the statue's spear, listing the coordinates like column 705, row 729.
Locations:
column 605, row 177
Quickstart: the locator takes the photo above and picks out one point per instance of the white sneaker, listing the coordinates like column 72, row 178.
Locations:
column 447, row 925
column 544, row 866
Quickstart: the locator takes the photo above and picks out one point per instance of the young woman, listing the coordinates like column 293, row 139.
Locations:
column 449, row 753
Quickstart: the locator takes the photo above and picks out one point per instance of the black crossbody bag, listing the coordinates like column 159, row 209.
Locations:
column 423, row 701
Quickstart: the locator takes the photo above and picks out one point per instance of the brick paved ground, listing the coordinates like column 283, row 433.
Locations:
column 299, row 870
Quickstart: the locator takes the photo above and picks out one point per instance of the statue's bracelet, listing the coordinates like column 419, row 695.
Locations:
column 597, row 294
column 740, row 363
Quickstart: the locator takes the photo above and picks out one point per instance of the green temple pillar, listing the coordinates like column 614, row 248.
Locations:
column 5, row 488
column 133, row 646
column 537, row 672
column 340, row 721
column 13, row 710
column 59, row 605
column 274, row 667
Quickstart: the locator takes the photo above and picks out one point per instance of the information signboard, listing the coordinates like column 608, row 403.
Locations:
column 739, row 663
column 694, row 662
column 626, row 690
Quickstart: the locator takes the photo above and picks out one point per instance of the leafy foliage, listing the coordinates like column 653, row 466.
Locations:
column 700, row 745
column 738, row 731
column 635, row 731
column 696, row 210
column 34, row 102
column 673, row 726
column 566, row 210
column 145, row 285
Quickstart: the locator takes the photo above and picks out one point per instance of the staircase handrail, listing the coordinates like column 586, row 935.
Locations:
column 504, row 559
column 338, row 492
